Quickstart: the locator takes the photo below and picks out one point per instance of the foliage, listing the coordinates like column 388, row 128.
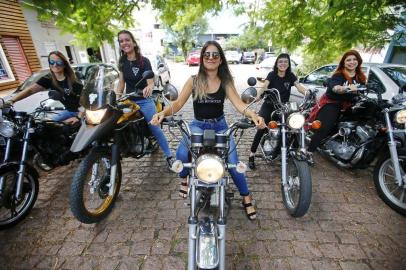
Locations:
column 249, row 40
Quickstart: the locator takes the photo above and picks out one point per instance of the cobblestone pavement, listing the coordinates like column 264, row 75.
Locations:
column 347, row 227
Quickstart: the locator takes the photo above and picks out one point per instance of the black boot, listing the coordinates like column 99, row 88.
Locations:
column 251, row 162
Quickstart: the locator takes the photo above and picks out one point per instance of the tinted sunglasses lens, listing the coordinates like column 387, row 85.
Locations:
column 59, row 63
column 214, row 55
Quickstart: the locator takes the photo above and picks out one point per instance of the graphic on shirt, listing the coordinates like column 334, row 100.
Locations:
column 92, row 98
column 135, row 71
column 67, row 91
column 286, row 84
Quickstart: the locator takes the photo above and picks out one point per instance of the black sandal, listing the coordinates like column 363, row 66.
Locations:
column 252, row 215
column 183, row 189
column 251, row 162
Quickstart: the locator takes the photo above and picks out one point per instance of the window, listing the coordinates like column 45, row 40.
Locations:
column 320, row 75
column 5, row 71
column 397, row 74
column 374, row 83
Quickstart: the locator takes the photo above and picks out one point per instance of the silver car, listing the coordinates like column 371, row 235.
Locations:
column 386, row 78
column 160, row 69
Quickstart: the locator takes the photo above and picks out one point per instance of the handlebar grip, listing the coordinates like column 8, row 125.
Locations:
column 244, row 124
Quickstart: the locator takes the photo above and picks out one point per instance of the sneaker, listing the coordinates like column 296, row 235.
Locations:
column 169, row 162
column 251, row 162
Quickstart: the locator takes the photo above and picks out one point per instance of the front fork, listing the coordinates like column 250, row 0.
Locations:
column 283, row 151
column 5, row 159
column 393, row 150
column 21, row 168
column 115, row 158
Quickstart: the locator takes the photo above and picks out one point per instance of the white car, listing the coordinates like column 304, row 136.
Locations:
column 386, row 78
column 266, row 66
column 233, row 56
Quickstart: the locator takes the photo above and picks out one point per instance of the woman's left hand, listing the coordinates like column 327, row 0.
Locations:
column 147, row 91
column 71, row 121
column 259, row 121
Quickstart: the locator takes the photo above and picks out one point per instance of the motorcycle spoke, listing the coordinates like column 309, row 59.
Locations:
column 393, row 190
column 390, row 175
column 402, row 196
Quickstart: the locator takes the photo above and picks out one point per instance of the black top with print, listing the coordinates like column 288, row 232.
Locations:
column 339, row 79
column 283, row 84
column 70, row 97
column 210, row 107
column 132, row 71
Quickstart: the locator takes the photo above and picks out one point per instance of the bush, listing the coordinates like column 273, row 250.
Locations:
column 179, row 58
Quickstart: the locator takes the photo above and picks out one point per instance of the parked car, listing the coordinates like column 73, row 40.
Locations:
column 193, row 58
column 160, row 69
column 232, row 56
column 248, row 58
column 387, row 78
column 266, row 66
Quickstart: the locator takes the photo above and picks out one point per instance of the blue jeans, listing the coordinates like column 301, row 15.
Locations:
column 148, row 109
column 196, row 126
column 63, row 115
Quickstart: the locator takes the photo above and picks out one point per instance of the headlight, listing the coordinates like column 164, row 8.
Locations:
column 209, row 168
column 400, row 117
column 95, row 117
column 296, row 120
column 7, row 129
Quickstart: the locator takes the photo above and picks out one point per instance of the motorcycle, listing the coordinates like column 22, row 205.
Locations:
column 371, row 132
column 114, row 129
column 208, row 185
column 285, row 141
column 29, row 137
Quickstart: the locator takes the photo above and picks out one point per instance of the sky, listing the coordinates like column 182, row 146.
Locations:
column 226, row 22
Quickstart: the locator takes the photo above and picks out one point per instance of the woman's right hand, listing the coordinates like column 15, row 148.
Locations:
column 157, row 119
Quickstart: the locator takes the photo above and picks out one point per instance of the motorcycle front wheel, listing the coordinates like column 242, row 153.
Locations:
column 385, row 182
column 297, row 193
column 89, row 197
column 13, row 210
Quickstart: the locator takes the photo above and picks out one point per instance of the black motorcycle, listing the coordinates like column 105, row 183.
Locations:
column 114, row 129
column 28, row 140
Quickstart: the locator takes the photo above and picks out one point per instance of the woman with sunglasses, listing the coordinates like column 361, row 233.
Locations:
column 132, row 65
column 63, row 79
column 209, row 89
column 281, row 78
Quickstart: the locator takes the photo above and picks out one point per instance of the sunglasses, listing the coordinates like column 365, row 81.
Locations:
column 214, row 55
column 58, row 63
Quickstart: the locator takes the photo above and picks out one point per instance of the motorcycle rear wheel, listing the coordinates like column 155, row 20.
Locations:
column 297, row 193
column 89, row 182
column 12, row 211
column 385, row 182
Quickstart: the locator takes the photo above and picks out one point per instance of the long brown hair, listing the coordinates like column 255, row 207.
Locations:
column 200, row 83
column 123, row 54
column 67, row 71
column 359, row 75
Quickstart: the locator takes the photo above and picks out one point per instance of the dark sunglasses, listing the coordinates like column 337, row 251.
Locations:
column 214, row 55
column 58, row 63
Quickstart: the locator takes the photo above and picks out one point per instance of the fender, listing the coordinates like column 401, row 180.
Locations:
column 15, row 165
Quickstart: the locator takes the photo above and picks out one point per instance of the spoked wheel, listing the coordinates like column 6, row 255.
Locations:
column 297, row 193
column 385, row 182
column 90, row 201
column 13, row 210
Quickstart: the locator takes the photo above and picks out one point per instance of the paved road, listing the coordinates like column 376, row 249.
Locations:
column 347, row 227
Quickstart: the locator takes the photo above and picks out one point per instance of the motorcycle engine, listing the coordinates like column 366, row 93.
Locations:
column 349, row 139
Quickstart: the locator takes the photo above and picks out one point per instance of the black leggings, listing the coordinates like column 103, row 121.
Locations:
column 266, row 109
column 328, row 116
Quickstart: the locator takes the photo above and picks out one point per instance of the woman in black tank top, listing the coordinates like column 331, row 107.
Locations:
column 209, row 88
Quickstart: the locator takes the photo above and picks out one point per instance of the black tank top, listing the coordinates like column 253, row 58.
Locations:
column 211, row 107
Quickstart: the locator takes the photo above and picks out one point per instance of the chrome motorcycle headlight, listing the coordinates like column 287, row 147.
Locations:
column 209, row 168
column 296, row 120
column 400, row 117
column 7, row 129
column 95, row 117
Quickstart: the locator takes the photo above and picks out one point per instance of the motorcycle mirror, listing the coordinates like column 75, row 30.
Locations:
column 170, row 92
column 252, row 81
column 402, row 89
column 149, row 74
column 55, row 95
column 249, row 95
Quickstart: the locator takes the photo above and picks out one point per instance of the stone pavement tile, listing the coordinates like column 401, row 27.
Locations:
column 117, row 237
column 167, row 234
column 180, row 246
column 141, row 247
column 266, row 235
column 306, row 249
column 347, row 265
column 284, row 235
column 83, row 236
column 331, row 226
column 291, row 224
column 130, row 263
column 161, row 247
column 305, row 235
column 331, row 250
column 280, row 248
column 109, row 263
column 269, row 224
column 71, row 249
column 352, row 252
column 392, row 264
column 173, row 263
column 254, row 248
column 244, row 263
column 346, row 238
column 143, row 234
column 233, row 248
column 50, row 262
column 107, row 249
column 151, row 263
column 325, row 265
column 366, row 239
column 273, row 264
column 27, row 262
column 297, row 263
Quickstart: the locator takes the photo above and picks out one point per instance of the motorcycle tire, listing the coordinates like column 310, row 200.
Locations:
column 297, row 194
column 388, row 190
column 82, row 186
column 19, row 209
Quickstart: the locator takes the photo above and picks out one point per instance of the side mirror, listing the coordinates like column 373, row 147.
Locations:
column 301, row 79
column 249, row 95
column 55, row 95
column 149, row 74
column 252, row 81
column 170, row 92
column 161, row 65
